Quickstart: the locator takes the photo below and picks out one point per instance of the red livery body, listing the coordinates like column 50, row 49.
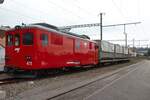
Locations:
column 37, row 47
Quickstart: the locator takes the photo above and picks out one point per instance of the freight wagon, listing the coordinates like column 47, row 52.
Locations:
column 112, row 52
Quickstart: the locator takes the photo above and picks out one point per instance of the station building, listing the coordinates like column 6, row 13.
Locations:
column 3, row 29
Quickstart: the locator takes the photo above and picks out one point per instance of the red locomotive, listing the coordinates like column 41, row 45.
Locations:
column 42, row 46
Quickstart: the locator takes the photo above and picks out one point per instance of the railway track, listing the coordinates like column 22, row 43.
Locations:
column 10, row 79
column 63, row 91
column 56, row 93
column 52, row 94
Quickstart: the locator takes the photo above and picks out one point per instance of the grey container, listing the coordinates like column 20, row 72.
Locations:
column 107, row 50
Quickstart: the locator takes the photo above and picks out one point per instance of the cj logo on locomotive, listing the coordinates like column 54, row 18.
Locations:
column 17, row 50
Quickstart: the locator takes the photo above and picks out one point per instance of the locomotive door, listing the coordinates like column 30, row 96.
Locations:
column 17, row 52
column 96, row 53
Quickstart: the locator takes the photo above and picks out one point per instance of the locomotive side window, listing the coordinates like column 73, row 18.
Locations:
column 9, row 40
column 28, row 38
column 44, row 39
column 77, row 44
column 17, row 40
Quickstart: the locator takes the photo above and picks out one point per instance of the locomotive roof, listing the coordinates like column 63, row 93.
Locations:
column 53, row 28
column 57, row 29
column 61, row 31
column 47, row 25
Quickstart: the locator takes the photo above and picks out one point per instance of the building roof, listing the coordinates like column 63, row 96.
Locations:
column 4, row 28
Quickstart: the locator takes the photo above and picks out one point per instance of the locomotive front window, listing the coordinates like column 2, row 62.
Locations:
column 9, row 40
column 28, row 38
column 17, row 40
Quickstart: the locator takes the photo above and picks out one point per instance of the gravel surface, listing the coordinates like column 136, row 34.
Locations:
column 11, row 90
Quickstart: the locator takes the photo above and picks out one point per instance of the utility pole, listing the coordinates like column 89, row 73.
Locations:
column 101, row 35
column 101, row 26
column 133, row 42
column 126, row 40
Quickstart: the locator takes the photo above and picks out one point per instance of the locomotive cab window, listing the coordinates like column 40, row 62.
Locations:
column 9, row 40
column 17, row 40
column 28, row 38
column 44, row 39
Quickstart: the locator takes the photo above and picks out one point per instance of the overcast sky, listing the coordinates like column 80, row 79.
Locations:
column 72, row 12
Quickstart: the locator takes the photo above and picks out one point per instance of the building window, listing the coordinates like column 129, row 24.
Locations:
column 44, row 39
column 28, row 38
column 17, row 40
column 9, row 40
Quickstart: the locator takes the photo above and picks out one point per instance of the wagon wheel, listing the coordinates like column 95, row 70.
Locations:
column 36, row 73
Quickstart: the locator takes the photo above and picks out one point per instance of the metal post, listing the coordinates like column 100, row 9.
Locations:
column 101, row 36
column 125, row 36
column 101, row 27
column 133, row 42
column 126, row 40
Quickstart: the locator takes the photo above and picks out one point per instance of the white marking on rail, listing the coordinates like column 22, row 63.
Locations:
column 31, row 82
column 108, row 85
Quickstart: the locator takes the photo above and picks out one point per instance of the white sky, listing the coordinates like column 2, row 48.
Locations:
column 72, row 12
